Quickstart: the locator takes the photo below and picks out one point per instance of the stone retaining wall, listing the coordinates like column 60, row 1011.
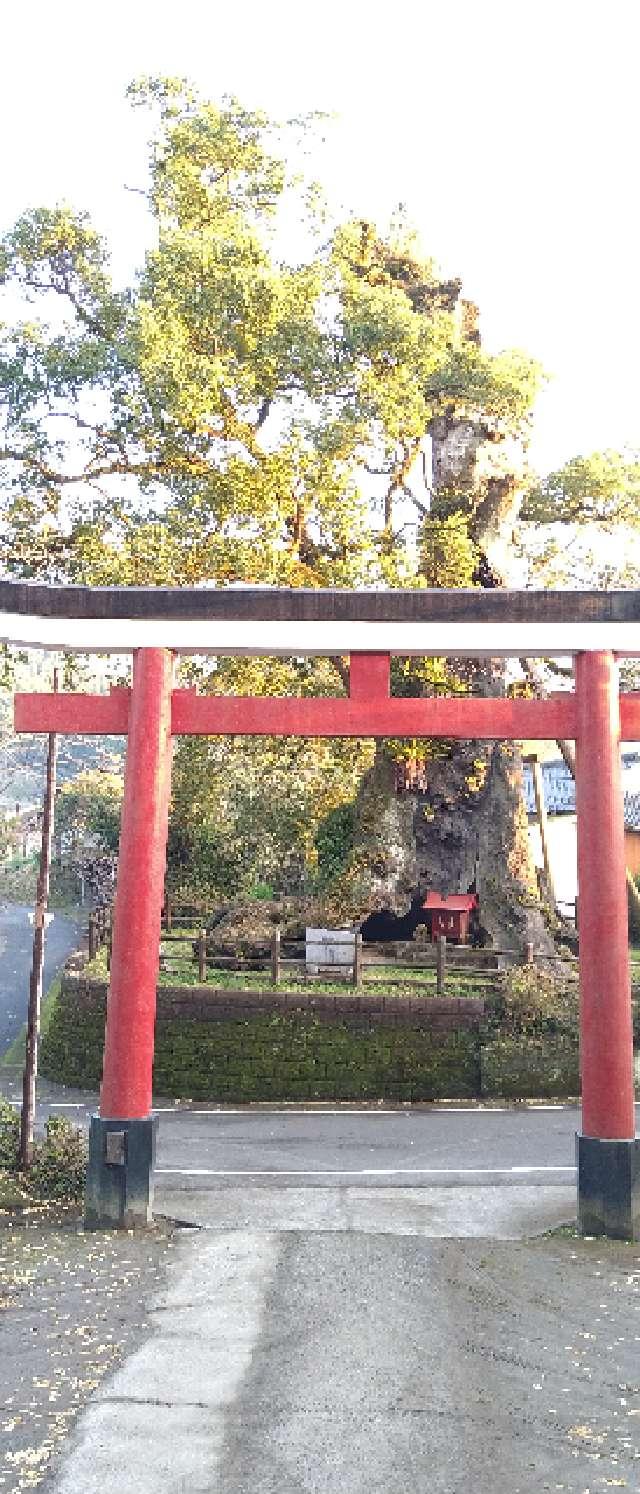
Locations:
column 278, row 1045
column 249, row 1044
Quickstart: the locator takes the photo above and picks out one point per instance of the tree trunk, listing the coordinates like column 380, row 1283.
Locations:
column 466, row 827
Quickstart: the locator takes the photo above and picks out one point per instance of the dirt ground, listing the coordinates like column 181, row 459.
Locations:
column 71, row 1306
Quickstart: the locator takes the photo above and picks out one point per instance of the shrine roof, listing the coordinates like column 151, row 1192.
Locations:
column 454, row 902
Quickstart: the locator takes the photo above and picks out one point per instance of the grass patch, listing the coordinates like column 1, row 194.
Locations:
column 396, row 981
column 15, row 1053
column 12, row 1193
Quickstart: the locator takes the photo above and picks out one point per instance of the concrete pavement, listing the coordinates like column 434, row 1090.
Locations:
column 484, row 1212
column 321, row 1360
column 324, row 1329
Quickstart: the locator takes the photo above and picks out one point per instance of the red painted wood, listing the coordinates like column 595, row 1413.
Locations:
column 630, row 716
column 453, row 902
column 219, row 715
column 98, row 715
column 81, row 715
column 368, row 712
column 605, row 988
column 131, row 1007
column 369, row 676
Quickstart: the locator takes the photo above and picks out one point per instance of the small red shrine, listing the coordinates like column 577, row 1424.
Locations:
column 450, row 915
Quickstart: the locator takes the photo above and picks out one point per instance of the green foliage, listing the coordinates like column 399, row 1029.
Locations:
column 533, row 1001
column 531, row 1067
column 245, row 810
column 219, row 420
column 334, row 840
column 261, row 892
column 449, row 557
column 59, row 1166
column 602, row 488
column 9, row 1136
column 90, row 805
column 59, row 1157
column 215, row 420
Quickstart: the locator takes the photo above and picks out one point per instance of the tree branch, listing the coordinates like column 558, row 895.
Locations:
column 263, row 412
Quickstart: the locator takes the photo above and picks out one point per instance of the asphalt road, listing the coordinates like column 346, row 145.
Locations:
column 313, row 1146
column 16, row 938
column 381, row 1145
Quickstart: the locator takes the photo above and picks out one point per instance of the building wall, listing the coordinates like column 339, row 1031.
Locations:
column 563, row 851
column 632, row 851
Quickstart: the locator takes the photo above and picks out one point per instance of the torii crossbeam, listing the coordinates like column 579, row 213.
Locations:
column 368, row 628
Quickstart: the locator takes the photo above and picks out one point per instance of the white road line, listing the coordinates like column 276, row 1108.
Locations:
column 361, row 1172
column 372, row 1114
column 313, row 1114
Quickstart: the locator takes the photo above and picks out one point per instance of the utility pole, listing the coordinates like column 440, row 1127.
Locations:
column 541, row 816
column 27, row 1118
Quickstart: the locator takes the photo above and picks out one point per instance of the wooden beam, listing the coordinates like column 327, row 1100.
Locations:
column 73, row 715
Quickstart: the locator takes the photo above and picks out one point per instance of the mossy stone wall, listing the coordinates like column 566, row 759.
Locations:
column 544, row 1067
column 250, row 1045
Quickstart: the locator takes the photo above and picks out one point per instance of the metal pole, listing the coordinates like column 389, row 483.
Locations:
column 30, row 1075
column 543, row 823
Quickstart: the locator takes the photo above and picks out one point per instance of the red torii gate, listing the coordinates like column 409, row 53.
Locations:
column 122, row 1137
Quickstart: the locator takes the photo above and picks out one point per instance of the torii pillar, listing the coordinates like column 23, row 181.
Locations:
column 608, row 1151
column 122, row 1136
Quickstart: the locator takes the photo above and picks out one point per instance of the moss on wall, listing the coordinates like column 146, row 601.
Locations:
column 240, row 1047
column 271, row 1055
column 544, row 1067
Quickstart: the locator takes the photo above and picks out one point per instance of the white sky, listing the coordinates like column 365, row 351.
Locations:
column 509, row 130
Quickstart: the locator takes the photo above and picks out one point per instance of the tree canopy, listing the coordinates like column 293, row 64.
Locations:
column 603, row 488
column 221, row 417
column 240, row 413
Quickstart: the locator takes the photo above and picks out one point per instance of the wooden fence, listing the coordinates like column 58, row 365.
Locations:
column 282, row 959
column 372, row 963
column 100, row 931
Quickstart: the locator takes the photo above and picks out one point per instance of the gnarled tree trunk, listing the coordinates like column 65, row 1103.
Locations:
column 466, row 825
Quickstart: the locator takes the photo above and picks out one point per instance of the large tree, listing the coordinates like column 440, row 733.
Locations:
column 240, row 415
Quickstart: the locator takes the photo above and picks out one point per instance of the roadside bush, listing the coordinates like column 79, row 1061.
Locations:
column 59, row 1162
column 9, row 1136
column 534, row 1001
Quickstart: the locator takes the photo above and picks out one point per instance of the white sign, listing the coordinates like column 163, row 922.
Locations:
column 330, row 947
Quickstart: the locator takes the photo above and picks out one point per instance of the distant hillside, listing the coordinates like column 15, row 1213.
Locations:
column 22, row 758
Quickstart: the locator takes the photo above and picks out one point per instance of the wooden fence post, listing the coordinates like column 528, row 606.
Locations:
column 275, row 956
column 168, row 911
column 202, row 955
column 529, row 954
column 441, row 964
column 93, row 936
column 357, row 961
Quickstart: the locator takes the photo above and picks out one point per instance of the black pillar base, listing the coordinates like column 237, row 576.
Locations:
column 608, row 1187
column 120, row 1173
